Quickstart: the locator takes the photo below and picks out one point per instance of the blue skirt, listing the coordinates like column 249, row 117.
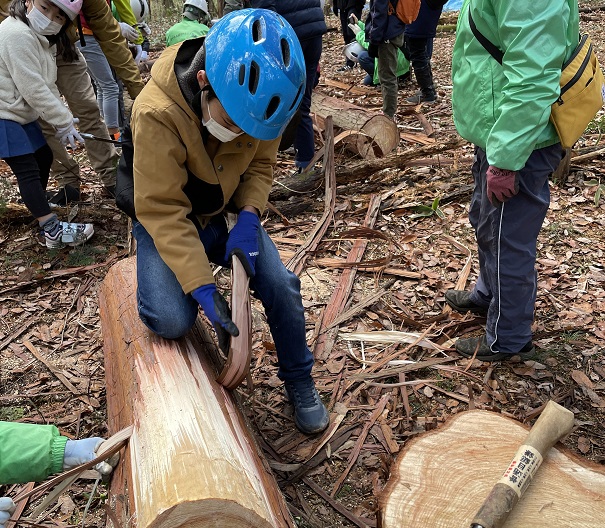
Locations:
column 17, row 139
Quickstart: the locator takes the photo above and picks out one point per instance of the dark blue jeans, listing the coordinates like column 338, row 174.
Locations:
column 506, row 240
column 169, row 312
column 304, row 142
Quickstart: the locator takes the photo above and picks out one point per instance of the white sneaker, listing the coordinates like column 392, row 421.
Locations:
column 76, row 234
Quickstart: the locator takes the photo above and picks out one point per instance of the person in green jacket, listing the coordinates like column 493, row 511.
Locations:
column 504, row 109
column 32, row 452
column 369, row 64
column 193, row 24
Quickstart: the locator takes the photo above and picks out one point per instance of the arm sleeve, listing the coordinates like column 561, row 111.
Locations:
column 161, row 204
column 532, row 64
column 256, row 182
column 24, row 67
column 380, row 15
column 107, row 32
column 125, row 13
column 29, row 452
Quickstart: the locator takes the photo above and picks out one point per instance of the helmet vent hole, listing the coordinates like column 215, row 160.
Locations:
column 254, row 78
column 257, row 31
column 285, row 52
column 272, row 107
column 242, row 75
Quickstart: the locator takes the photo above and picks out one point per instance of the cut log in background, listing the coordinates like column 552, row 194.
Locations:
column 441, row 479
column 192, row 460
column 377, row 134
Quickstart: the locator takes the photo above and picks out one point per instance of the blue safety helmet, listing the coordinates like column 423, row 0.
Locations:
column 256, row 68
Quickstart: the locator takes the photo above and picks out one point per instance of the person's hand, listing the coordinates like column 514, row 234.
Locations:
column 137, row 53
column 217, row 311
column 128, row 32
column 145, row 29
column 243, row 241
column 7, row 507
column 353, row 19
column 78, row 452
column 354, row 28
column 68, row 135
column 373, row 50
column 144, row 56
column 502, row 184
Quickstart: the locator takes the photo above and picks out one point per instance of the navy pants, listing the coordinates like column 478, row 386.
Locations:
column 169, row 312
column 304, row 141
column 506, row 240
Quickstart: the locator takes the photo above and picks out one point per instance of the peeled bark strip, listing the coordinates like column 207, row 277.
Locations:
column 378, row 134
column 441, row 478
column 191, row 460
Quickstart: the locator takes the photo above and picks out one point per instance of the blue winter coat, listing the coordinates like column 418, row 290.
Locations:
column 425, row 26
column 380, row 25
column 305, row 16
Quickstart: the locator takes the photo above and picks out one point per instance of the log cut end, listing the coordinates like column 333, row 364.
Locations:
column 442, row 478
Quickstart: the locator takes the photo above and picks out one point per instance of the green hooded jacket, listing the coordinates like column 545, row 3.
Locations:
column 29, row 452
column 505, row 109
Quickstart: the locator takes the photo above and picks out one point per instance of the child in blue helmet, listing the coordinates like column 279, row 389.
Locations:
column 216, row 108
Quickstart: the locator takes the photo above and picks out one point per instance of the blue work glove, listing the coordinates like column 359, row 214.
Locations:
column 373, row 50
column 243, row 241
column 78, row 452
column 217, row 311
column 7, row 507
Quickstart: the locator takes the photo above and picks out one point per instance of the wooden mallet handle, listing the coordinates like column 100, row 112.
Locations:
column 554, row 423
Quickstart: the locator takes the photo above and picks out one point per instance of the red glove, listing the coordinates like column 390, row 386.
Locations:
column 502, row 184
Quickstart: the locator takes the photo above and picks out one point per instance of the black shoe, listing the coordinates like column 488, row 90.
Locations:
column 422, row 97
column 460, row 301
column 310, row 414
column 64, row 195
column 477, row 347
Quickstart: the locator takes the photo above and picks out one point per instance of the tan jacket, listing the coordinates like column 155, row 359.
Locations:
column 176, row 173
column 107, row 32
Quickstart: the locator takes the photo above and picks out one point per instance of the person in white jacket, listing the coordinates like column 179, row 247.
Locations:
column 30, row 38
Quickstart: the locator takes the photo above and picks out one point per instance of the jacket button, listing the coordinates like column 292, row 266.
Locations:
column 220, row 168
column 238, row 144
column 249, row 144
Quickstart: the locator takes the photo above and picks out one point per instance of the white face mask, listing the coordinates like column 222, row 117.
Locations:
column 41, row 24
column 223, row 134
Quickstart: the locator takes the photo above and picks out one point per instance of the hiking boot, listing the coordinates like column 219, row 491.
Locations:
column 310, row 414
column 64, row 195
column 460, row 300
column 477, row 347
column 427, row 92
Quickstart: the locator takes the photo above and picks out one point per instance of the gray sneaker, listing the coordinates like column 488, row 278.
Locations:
column 310, row 414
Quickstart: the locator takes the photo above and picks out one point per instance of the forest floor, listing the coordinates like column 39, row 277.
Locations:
column 51, row 340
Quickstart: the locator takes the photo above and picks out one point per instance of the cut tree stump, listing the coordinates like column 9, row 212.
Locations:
column 441, row 479
column 191, row 461
column 377, row 135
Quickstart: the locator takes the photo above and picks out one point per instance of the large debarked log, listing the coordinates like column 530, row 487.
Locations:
column 191, row 460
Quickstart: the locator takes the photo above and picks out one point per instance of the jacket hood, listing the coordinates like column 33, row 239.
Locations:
column 174, row 73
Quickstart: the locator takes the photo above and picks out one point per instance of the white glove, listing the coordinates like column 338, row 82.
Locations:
column 144, row 56
column 128, row 32
column 145, row 29
column 7, row 507
column 354, row 28
column 68, row 135
column 138, row 52
column 79, row 452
